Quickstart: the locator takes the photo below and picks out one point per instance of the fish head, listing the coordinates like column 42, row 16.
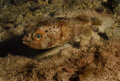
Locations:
column 43, row 37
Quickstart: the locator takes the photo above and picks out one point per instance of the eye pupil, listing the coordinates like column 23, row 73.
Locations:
column 38, row 36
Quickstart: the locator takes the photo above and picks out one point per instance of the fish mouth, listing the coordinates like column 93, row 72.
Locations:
column 26, row 40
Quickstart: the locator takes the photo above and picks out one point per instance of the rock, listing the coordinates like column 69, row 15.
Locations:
column 19, row 2
column 8, row 26
column 95, row 28
column 5, row 2
column 109, row 32
column 43, row 1
column 19, row 19
column 117, row 10
column 33, row 6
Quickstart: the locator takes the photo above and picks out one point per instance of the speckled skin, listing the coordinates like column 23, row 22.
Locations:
column 56, row 32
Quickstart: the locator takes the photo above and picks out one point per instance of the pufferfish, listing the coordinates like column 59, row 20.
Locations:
column 58, row 31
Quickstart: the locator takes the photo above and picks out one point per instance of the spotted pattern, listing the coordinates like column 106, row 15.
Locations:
column 56, row 33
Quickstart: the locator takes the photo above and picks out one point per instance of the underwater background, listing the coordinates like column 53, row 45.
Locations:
column 94, row 55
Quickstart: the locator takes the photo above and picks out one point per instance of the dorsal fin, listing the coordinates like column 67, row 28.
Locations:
column 82, row 18
column 45, row 23
column 63, row 21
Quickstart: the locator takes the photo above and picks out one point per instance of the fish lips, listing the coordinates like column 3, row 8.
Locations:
column 26, row 40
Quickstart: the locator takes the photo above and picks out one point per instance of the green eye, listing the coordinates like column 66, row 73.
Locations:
column 38, row 36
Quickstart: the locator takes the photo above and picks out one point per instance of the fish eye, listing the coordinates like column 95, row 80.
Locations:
column 38, row 36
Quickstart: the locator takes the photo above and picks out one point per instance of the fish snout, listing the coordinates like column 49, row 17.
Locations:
column 26, row 40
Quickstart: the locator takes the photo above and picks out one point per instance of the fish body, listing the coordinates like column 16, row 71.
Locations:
column 55, row 32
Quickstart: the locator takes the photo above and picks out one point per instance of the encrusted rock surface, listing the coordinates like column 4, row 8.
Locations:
column 97, row 60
